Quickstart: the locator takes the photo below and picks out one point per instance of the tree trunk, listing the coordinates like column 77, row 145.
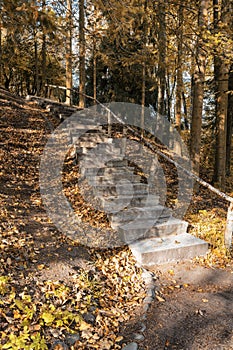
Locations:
column 162, row 57
column 221, row 101
column 43, row 53
column 229, row 123
column 36, row 85
column 143, row 98
column 82, row 70
column 69, row 80
column 198, row 90
column 179, row 72
column 1, row 78
column 94, row 71
column 186, row 123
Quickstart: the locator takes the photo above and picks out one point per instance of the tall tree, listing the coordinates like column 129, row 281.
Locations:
column 0, row 47
column 198, row 87
column 82, row 55
column 162, row 45
column 229, row 123
column 69, row 79
column 221, row 97
column 43, row 49
column 179, row 72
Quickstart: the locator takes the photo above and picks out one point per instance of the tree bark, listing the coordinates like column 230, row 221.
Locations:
column 43, row 53
column 1, row 78
column 69, row 80
column 221, row 102
column 179, row 72
column 229, row 122
column 82, row 54
column 162, row 57
column 36, row 85
column 198, row 90
column 94, row 70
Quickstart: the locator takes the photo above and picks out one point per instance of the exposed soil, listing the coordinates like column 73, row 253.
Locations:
column 192, row 309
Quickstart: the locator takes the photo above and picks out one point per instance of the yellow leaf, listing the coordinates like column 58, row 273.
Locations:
column 47, row 317
column 84, row 326
column 159, row 298
column 119, row 338
column 40, row 267
column 17, row 314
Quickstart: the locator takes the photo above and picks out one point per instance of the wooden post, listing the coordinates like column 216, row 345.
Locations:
column 229, row 227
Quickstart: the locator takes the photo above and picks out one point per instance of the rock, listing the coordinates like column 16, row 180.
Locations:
column 143, row 327
column 89, row 317
column 138, row 336
column 59, row 345
column 72, row 338
column 131, row 346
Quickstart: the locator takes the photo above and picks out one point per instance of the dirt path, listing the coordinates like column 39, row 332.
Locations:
column 193, row 309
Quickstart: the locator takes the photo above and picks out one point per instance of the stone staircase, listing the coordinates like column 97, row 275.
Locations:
column 132, row 206
column 131, row 203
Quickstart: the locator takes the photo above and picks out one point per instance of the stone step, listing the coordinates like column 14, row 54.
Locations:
column 85, row 144
column 110, row 148
column 99, row 149
column 106, row 170
column 91, row 138
column 145, row 213
column 118, row 162
column 154, row 251
column 123, row 189
column 141, row 229
column 95, row 138
column 113, row 204
column 150, row 201
column 112, row 179
column 88, row 126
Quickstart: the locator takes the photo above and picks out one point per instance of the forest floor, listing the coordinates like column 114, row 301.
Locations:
column 58, row 294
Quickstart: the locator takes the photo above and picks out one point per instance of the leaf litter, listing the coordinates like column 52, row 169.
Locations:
column 87, row 297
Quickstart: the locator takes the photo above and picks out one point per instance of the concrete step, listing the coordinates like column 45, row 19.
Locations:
column 91, row 140
column 112, row 179
column 122, row 189
column 99, row 169
column 125, row 216
column 95, row 138
column 89, row 162
column 111, row 192
column 106, row 171
column 103, row 148
column 86, row 144
column 157, row 227
column 116, row 163
column 113, row 204
column 99, row 150
column 153, row 251
column 76, row 126
column 150, row 201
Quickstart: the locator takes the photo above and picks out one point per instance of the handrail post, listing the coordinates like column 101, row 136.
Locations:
column 109, row 124
column 229, row 227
